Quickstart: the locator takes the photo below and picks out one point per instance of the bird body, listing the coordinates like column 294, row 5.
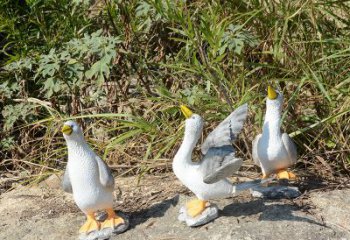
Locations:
column 88, row 192
column 191, row 174
column 273, row 150
column 90, row 180
column 207, row 179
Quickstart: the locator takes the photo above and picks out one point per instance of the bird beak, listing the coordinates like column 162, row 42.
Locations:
column 186, row 111
column 271, row 93
column 67, row 130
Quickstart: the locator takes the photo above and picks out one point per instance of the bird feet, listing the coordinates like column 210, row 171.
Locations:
column 209, row 214
column 94, row 229
column 284, row 174
column 196, row 207
column 90, row 225
column 113, row 221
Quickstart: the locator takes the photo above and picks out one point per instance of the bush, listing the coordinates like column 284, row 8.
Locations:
column 122, row 68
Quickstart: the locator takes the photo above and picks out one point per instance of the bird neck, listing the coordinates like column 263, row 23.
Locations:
column 184, row 154
column 272, row 122
column 77, row 147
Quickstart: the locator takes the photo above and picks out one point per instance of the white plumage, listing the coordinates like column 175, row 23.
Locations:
column 192, row 174
column 272, row 150
column 83, row 169
column 90, row 180
column 208, row 178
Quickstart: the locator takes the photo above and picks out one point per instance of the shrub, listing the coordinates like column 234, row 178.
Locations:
column 123, row 67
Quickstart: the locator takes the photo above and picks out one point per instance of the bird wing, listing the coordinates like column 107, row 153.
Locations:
column 290, row 147
column 255, row 150
column 227, row 130
column 66, row 185
column 219, row 163
column 106, row 176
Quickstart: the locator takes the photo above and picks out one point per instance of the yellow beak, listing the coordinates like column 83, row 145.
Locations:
column 66, row 129
column 186, row 111
column 271, row 93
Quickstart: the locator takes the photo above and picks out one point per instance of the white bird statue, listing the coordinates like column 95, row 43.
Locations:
column 273, row 151
column 91, row 181
column 207, row 179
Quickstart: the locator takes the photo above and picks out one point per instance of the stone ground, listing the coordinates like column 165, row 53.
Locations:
column 46, row 212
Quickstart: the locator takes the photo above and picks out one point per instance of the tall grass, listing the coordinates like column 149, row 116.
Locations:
column 211, row 55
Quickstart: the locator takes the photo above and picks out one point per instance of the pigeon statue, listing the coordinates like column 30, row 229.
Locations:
column 207, row 179
column 273, row 150
column 91, row 181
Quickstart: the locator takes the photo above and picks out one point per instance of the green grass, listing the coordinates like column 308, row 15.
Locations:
column 121, row 68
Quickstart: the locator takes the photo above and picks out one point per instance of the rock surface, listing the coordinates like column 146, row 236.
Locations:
column 153, row 207
column 275, row 192
column 334, row 207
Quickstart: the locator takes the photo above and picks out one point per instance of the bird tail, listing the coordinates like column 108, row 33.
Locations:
column 248, row 185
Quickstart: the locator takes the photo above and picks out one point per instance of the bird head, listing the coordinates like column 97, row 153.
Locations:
column 72, row 131
column 274, row 98
column 194, row 122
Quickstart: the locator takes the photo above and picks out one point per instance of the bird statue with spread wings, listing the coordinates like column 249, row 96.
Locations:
column 273, row 150
column 91, row 181
column 207, row 179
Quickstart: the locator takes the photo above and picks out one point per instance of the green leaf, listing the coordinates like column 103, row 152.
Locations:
column 72, row 61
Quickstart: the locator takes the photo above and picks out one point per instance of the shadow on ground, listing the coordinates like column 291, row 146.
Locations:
column 157, row 210
column 268, row 210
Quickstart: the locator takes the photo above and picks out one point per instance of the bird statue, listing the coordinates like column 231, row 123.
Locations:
column 274, row 151
column 91, row 181
column 207, row 179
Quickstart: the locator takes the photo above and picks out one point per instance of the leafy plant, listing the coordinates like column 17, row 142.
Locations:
column 121, row 68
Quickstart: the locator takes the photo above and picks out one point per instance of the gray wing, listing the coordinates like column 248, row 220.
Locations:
column 66, row 185
column 219, row 163
column 255, row 150
column 106, row 176
column 227, row 131
column 290, row 147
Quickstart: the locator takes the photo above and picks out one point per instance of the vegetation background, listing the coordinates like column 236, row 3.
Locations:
column 121, row 68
